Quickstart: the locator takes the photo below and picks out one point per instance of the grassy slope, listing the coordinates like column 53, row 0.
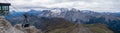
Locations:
column 98, row 28
column 93, row 28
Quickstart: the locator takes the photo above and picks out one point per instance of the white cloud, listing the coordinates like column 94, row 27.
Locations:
column 97, row 5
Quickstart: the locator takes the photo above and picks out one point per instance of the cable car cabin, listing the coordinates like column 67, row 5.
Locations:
column 4, row 8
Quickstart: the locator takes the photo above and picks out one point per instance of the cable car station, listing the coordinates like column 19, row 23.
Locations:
column 4, row 8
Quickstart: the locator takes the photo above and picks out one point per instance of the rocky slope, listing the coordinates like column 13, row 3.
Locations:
column 6, row 27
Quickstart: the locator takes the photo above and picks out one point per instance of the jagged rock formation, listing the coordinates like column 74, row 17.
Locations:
column 6, row 27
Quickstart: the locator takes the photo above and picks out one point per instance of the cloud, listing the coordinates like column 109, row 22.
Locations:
column 96, row 5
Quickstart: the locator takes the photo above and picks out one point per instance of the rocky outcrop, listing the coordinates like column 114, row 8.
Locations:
column 6, row 27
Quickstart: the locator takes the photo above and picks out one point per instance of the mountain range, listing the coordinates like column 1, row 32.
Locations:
column 38, row 17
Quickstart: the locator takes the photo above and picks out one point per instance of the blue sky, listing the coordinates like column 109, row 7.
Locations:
column 95, row 5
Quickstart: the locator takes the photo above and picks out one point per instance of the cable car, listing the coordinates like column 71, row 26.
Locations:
column 26, row 23
column 4, row 8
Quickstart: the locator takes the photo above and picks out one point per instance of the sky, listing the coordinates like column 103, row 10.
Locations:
column 94, row 5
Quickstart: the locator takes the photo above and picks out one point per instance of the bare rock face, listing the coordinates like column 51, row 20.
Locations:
column 6, row 27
